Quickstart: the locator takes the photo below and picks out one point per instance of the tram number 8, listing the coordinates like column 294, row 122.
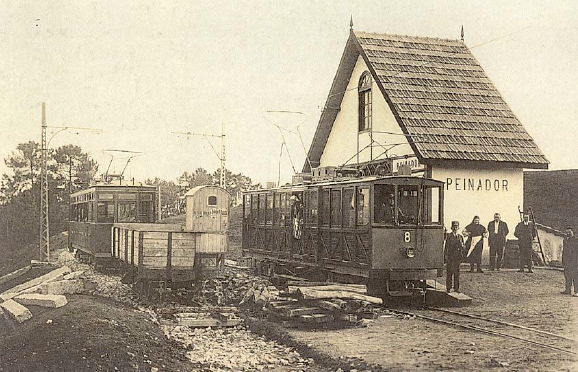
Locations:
column 407, row 236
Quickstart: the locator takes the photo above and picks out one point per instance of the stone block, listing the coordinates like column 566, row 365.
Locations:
column 73, row 275
column 44, row 300
column 16, row 310
column 35, row 283
column 62, row 287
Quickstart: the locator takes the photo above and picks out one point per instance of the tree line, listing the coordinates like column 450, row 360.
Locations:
column 69, row 170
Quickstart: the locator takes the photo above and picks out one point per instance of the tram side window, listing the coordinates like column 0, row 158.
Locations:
column 146, row 211
column 105, row 212
column 431, row 203
column 127, row 212
column 269, row 212
column 362, row 206
column 276, row 208
column 254, row 208
column 261, row 218
column 408, row 204
column 336, row 208
column 325, row 208
column 283, row 210
column 311, row 208
column 348, row 208
column 384, row 204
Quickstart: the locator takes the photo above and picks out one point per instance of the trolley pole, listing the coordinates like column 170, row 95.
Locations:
column 44, row 220
column 221, row 155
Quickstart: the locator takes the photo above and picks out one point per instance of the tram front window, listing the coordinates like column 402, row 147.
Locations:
column 407, row 199
column 386, row 210
column 384, row 207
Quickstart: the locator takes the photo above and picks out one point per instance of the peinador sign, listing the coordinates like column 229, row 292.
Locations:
column 476, row 184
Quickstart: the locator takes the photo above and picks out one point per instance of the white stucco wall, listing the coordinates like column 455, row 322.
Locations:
column 342, row 142
column 481, row 191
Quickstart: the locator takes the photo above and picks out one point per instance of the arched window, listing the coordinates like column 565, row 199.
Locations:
column 364, row 92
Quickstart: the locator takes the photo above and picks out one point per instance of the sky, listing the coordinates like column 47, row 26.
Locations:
column 141, row 71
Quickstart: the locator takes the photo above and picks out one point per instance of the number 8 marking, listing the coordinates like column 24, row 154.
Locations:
column 407, row 236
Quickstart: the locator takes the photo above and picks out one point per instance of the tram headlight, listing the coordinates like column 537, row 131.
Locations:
column 410, row 252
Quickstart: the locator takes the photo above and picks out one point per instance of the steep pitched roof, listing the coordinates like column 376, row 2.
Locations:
column 441, row 98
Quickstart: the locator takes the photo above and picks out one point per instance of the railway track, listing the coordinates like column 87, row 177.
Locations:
column 498, row 328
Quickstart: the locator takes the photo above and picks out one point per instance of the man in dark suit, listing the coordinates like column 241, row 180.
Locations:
column 498, row 230
column 525, row 233
column 570, row 261
column 453, row 253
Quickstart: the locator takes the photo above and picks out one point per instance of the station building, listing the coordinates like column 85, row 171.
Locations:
column 427, row 104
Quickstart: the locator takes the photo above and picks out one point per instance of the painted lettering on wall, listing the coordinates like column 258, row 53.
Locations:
column 476, row 184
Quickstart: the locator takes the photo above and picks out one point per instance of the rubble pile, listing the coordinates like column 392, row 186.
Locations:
column 234, row 288
column 234, row 349
column 105, row 285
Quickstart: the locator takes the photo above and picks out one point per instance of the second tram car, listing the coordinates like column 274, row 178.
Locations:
column 386, row 232
column 94, row 210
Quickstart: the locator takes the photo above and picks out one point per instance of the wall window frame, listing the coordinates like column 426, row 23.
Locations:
column 365, row 102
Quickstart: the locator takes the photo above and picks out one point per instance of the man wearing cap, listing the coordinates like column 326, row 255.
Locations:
column 525, row 233
column 498, row 230
column 570, row 261
column 453, row 254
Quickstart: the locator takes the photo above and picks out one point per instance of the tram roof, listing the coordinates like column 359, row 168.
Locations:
column 113, row 187
column 392, row 180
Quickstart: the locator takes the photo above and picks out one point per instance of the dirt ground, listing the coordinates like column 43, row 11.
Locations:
column 88, row 334
column 412, row 344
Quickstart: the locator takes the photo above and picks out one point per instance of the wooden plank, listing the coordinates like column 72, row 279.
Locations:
column 309, row 293
column 161, row 262
column 162, row 244
column 360, row 288
column 291, row 312
column 211, row 243
column 155, row 235
column 316, row 318
column 169, row 255
column 140, row 249
column 158, row 252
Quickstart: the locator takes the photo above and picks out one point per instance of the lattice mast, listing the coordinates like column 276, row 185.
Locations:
column 222, row 179
column 44, row 222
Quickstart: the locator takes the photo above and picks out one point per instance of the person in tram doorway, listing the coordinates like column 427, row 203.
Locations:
column 525, row 233
column 453, row 254
column 570, row 261
column 475, row 243
column 296, row 216
column 497, row 232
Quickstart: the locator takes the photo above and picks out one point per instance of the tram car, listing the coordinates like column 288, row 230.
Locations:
column 94, row 210
column 385, row 232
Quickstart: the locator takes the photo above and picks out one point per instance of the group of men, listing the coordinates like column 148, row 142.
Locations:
column 455, row 251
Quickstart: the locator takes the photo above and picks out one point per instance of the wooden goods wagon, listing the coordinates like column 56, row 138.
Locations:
column 164, row 252
column 174, row 254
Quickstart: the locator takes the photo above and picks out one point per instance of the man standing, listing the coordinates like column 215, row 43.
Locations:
column 453, row 253
column 570, row 261
column 498, row 230
column 525, row 233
